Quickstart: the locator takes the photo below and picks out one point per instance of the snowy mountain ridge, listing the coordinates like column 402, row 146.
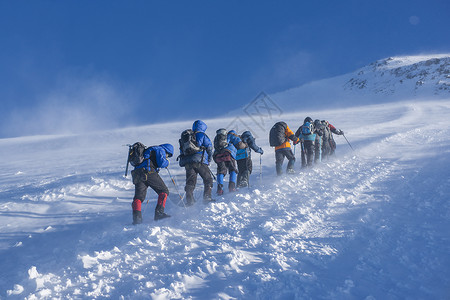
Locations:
column 422, row 77
column 417, row 73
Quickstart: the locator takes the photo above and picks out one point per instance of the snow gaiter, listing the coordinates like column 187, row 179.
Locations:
column 159, row 210
column 137, row 214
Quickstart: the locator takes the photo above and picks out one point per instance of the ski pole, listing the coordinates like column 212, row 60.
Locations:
column 176, row 187
column 348, row 142
column 212, row 173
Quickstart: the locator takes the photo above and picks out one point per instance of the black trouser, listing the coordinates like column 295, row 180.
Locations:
column 143, row 179
column 192, row 170
column 245, row 167
column 307, row 153
column 328, row 148
column 318, row 149
column 280, row 154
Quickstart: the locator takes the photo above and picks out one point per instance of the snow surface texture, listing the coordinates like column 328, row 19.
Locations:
column 368, row 224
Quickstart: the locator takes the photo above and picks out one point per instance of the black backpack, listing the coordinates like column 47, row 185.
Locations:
column 277, row 134
column 136, row 154
column 188, row 143
column 220, row 141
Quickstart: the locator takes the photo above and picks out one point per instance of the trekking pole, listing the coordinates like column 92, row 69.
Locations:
column 212, row 174
column 260, row 168
column 145, row 208
column 348, row 142
column 128, row 159
column 176, row 187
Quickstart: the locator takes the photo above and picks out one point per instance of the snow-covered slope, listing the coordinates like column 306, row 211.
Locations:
column 425, row 77
column 368, row 224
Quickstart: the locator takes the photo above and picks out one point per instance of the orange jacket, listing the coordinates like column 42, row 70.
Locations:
column 290, row 135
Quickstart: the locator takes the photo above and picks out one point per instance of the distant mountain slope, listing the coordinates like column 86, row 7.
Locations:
column 417, row 74
column 386, row 80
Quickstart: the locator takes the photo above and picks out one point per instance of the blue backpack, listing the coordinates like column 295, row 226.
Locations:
column 307, row 128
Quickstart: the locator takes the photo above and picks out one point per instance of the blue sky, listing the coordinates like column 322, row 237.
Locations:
column 83, row 65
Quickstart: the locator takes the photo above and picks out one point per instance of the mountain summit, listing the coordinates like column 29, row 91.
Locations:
column 413, row 74
column 386, row 80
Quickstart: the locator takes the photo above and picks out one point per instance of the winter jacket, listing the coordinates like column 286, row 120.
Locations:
column 327, row 136
column 155, row 157
column 249, row 140
column 234, row 143
column 289, row 136
column 199, row 127
column 320, row 131
column 306, row 137
column 334, row 130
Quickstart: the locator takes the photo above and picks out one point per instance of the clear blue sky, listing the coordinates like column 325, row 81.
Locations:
column 113, row 63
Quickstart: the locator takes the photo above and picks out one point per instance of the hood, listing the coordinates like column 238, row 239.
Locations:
column 308, row 119
column 222, row 131
column 199, row 126
column 168, row 148
column 246, row 134
column 232, row 131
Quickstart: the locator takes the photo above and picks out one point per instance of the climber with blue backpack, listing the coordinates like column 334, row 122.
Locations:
column 307, row 135
column 195, row 157
column 147, row 162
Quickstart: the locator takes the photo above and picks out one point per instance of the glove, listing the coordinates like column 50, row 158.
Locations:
column 341, row 132
column 260, row 151
column 297, row 141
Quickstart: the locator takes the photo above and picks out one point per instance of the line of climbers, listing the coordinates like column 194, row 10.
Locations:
column 315, row 138
column 231, row 153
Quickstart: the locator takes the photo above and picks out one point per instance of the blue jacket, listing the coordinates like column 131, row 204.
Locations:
column 248, row 138
column 199, row 127
column 233, row 140
column 155, row 157
column 307, row 137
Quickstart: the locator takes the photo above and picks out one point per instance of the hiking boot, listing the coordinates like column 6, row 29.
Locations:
column 137, row 217
column 190, row 201
column 219, row 190
column 208, row 200
column 231, row 187
column 159, row 213
column 243, row 184
column 160, row 216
